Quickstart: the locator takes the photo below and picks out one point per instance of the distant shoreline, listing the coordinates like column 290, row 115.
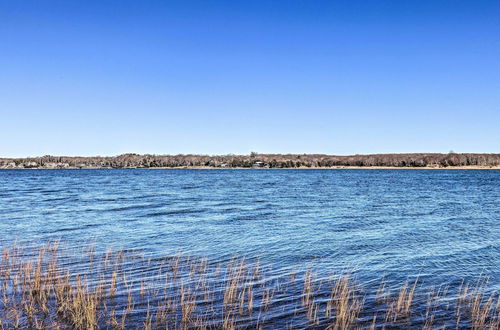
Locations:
column 256, row 160
column 267, row 168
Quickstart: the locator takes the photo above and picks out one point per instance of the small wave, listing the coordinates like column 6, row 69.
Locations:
column 49, row 191
column 190, row 187
column 251, row 217
column 174, row 212
column 67, row 229
column 55, row 199
column 136, row 207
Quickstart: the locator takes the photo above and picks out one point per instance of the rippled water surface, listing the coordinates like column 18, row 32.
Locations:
column 443, row 225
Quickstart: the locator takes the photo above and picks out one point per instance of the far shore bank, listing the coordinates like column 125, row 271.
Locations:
column 267, row 168
column 255, row 160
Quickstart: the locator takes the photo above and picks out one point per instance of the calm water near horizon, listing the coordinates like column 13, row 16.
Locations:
column 443, row 225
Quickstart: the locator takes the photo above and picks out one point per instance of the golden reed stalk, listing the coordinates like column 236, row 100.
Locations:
column 54, row 288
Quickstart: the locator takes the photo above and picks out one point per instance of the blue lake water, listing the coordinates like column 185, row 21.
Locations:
column 443, row 225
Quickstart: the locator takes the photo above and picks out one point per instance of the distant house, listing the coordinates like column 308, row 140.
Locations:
column 50, row 165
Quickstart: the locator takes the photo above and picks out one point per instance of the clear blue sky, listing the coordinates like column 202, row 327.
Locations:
column 216, row 77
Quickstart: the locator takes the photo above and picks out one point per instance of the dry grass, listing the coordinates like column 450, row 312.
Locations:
column 49, row 287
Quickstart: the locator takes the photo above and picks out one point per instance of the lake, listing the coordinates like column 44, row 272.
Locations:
column 440, row 225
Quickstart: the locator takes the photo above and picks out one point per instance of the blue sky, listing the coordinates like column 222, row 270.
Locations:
column 217, row 77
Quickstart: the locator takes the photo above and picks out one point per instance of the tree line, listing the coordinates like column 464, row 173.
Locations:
column 257, row 160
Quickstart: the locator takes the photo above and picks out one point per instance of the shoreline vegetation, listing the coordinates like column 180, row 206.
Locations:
column 256, row 160
column 54, row 287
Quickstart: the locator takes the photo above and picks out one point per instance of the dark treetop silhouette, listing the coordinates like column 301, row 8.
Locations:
column 258, row 160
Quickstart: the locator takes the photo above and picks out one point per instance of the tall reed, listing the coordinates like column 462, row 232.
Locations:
column 51, row 287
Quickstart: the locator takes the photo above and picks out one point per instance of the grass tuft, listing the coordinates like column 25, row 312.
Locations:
column 49, row 288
